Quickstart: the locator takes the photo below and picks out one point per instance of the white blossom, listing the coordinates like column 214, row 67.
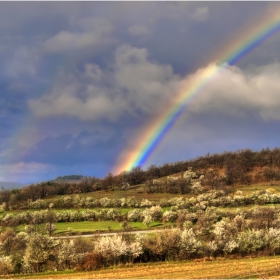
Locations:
column 189, row 243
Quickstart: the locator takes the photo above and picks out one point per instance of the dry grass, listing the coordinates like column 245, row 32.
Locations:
column 136, row 191
column 259, row 268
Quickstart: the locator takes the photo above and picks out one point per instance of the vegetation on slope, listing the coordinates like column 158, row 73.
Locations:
column 199, row 197
column 220, row 170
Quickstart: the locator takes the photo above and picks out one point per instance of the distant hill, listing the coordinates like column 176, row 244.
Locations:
column 70, row 178
column 11, row 185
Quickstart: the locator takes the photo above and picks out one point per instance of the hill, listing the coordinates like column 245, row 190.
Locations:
column 212, row 207
column 69, row 178
column 219, row 171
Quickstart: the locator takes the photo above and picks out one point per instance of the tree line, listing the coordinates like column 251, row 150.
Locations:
column 220, row 170
column 143, row 210
column 204, row 234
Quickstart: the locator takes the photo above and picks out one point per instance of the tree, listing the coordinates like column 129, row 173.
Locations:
column 50, row 219
column 184, row 185
column 108, row 182
column 250, row 241
column 38, row 250
column 156, row 213
column 7, row 241
column 135, row 250
column 147, row 220
column 136, row 176
column 189, row 243
column 50, row 228
column 6, row 265
column 153, row 172
column 67, row 256
column 112, row 248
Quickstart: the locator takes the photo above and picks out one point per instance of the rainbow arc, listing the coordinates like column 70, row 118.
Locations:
column 150, row 137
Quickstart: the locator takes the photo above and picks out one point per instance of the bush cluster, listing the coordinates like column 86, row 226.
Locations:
column 34, row 252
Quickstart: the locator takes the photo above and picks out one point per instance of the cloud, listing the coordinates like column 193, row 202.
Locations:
column 23, row 63
column 239, row 92
column 80, row 95
column 92, row 32
column 133, row 85
column 181, row 10
column 146, row 82
column 76, row 100
column 138, row 30
column 200, row 14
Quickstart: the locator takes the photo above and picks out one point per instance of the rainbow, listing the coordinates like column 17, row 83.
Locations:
column 150, row 137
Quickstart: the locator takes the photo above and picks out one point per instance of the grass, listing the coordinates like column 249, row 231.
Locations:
column 139, row 194
column 136, row 191
column 253, row 268
column 100, row 226
column 89, row 226
column 258, row 187
column 247, row 207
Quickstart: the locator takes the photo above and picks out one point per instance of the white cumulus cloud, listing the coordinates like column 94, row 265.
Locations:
column 133, row 84
column 91, row 32
column 239, row 92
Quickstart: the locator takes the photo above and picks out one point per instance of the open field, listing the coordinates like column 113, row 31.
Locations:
column 100, row 226
column 258, row 187
column 88, row 226
column 138, row 192
column 257, row 268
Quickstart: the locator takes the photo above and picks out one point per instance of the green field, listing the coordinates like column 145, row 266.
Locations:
column 94, row 227
column 87, row 226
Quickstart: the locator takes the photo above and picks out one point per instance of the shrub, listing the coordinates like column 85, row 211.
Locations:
column 145, row 203
column 272, row 238
column 156, row 213
column 147, row 220
column 189, row 244
column 105, row 202
column 6, row 265
column 91, row 261
column 250, row 241
column 38, row 204
column 170, row 216
column 134, row 215
column 111, row 248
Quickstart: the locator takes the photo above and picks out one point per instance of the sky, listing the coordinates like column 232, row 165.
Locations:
column 80, row 82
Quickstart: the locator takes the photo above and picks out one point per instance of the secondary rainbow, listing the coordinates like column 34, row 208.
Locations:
column 151, row 135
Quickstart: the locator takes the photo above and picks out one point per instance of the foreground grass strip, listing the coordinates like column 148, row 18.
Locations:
column 256, row 268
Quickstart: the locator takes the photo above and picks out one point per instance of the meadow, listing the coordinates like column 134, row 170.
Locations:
column 88, row 227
